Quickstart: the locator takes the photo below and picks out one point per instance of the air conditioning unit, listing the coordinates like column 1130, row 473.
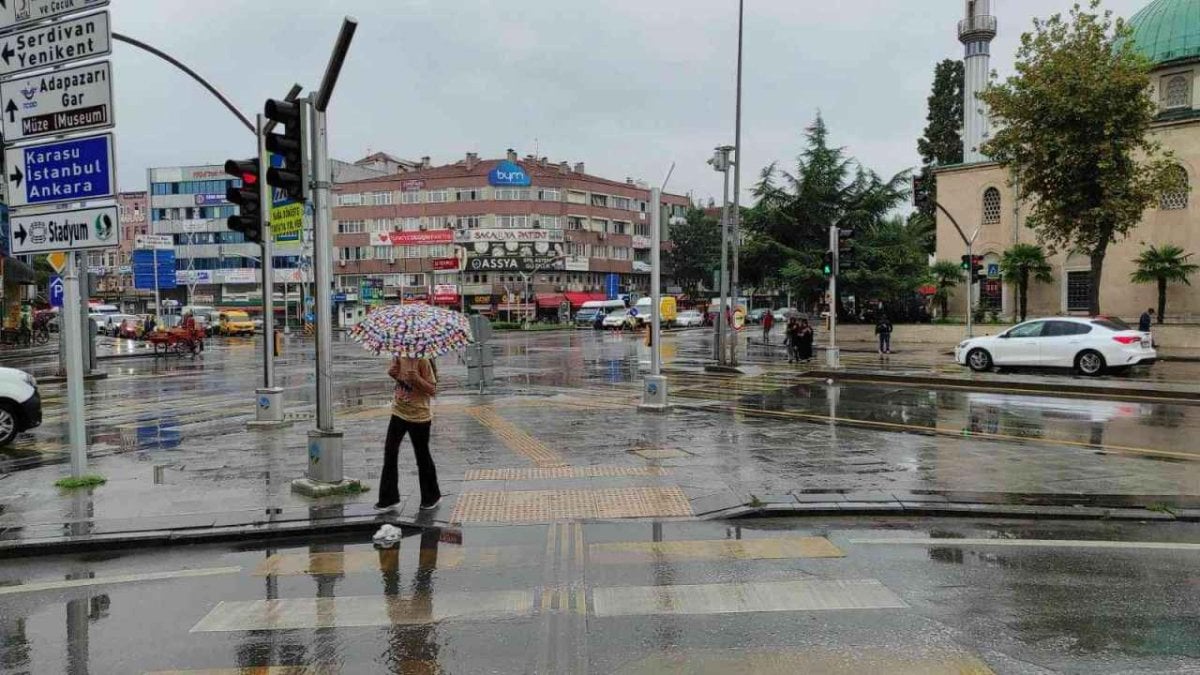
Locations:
column 342, row 263
column 423, row 227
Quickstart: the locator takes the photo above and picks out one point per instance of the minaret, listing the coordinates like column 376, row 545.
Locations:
column 976, row 32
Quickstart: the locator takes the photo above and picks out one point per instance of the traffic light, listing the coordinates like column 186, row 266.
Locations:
column 827, row 264
column 249, row 220
column 845, row 250
column 978, row 273
column 291, row 177
column 920, row 192
column 966, row 263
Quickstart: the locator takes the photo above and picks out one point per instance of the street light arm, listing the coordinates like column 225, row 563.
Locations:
column 191, row 73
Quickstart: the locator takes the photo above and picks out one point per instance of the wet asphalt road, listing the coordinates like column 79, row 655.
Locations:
column 768, row 596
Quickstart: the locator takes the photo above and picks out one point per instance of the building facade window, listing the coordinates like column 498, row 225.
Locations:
column 623, row 203
column 512, row 221
column 991, row 206
column 438, row 196
column 512, row 194
column 549, row 195
column 382, row 253
column 1079, row 291
column 381, row 198
column 546, row 222
column 350, row 199
column 412, row 224
column 470, row 222
column 600, row 200
column 468, row 194
column 411, row 197
column 1176, row 91
column 1175, row 200
column 575, row 222
column 574, row 197
column 351, row 226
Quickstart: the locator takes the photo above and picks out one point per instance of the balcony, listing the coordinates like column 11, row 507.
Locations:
column 980, row 27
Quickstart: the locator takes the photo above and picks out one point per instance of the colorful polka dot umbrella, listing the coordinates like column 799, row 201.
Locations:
column 413, row 331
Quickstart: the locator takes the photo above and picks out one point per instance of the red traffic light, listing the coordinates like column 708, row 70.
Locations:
column 249, row 178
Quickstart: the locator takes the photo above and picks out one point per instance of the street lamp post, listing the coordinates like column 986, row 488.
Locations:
column 737, row 184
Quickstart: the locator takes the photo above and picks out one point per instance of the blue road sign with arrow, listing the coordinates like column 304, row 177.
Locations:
column 73, row 170
column 57, row 290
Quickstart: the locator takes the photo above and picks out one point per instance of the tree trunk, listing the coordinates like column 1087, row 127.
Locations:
column 1023, row 294
column 1097, row 259
column 1162, row 299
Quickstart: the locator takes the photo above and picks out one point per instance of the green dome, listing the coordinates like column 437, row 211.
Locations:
column 1167, row 30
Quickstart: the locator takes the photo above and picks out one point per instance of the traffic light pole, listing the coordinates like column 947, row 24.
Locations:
column 832, row 353
column 970, row 243
column 269, row 399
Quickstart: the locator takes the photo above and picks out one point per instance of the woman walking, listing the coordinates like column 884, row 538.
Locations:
column 805, row 337
column 791, row 338
column 416, row 385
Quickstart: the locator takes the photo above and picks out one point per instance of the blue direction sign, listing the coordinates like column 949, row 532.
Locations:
column 73, row 170
column 57, row 291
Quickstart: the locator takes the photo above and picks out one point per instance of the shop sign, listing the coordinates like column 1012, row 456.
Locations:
column 508, row 174
column 506, row 235
column 416, row 238
column 513, row 263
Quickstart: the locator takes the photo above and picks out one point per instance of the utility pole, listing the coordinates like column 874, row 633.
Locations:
column 268, row 281
column 720, row 162
column 73, row 328
column 654, row 393
column 737, row 186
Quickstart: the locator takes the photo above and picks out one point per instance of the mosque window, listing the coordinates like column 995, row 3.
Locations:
column 1176, row 92
column 991, row 206
column 1176, row 199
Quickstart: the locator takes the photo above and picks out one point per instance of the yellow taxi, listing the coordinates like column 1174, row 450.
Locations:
column 234, row 323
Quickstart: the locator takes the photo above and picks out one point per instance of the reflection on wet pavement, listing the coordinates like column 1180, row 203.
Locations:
column 768, row 596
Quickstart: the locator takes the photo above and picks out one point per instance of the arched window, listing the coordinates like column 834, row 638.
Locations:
column 1176, row 92
column 1176, row 199
column 991, row 206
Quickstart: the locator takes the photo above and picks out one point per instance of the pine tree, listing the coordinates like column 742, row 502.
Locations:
column 942, row 143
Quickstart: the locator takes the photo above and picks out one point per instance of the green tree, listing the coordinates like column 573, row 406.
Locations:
column 788, row 226
column 890, row 262
column 695, row 250
column 1163, row 266
column 947, row 276
column 1020, row 263
column 942, row 143
column 1073, row 126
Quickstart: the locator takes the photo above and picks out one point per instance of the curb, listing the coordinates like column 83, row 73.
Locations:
column 1044, row 388
column 62, row 380
column 192, row 536
column 942, row 510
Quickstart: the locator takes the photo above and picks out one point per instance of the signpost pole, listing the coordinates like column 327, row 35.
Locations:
column 654, row 393
column 72, row 332
column 833, row 354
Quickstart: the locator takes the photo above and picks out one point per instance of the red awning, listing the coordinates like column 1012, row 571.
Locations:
column 549, row 300
column 577, row 299
column 927, row 289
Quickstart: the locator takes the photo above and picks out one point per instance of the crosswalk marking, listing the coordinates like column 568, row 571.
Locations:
column 358, row 611
column 342, row 562
column 116, row 579
column 740, row 597
column 1053, row 543
column 718, row 549
column 855, row 660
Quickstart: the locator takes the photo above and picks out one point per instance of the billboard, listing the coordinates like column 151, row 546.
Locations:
column 508, row 174
column 504, row 234
column 418, row 238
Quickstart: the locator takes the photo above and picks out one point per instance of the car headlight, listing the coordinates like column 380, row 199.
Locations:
column 963, row 344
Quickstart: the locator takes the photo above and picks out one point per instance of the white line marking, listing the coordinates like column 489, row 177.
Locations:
column 119, row 579
column 1059, row 543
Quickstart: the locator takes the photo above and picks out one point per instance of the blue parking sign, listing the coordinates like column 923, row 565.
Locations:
column 57, row 291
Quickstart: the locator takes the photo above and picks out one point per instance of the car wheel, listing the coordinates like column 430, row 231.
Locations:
column 979, row 360
column 1090, row 363
column 8, row 423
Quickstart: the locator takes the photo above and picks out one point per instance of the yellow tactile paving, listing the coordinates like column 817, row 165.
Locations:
column 718, row 549
column 564, row 472
column 517, row 440
column 294, row 564
column 850, row 661
column 533, row 506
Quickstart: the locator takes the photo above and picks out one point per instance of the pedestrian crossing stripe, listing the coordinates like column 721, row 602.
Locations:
column 720, row 549
column 745, row 597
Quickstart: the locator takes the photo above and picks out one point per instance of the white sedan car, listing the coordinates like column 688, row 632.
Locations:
column 689, row 319
column 1091, row 346
column 622, row 319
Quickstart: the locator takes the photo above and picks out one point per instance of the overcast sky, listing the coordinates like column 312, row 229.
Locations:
column 627, row 86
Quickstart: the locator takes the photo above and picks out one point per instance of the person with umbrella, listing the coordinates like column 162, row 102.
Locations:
column 414, row 335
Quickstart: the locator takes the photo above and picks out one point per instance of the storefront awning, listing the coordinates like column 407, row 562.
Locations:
column 550, row 300
column 577, row 299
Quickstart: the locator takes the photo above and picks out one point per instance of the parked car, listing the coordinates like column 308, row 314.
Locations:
column 784, row 313
column 690, row 318
column 593, row 311
column 619, row 318
column 131, row 330
column 233, row 323
column 645, row 309
column 756, row 315
column 1090, row 346
column 20, row 404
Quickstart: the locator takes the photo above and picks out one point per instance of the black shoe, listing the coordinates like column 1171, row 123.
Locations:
column 434, row 505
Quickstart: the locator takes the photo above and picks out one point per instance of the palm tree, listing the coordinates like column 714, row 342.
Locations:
column 1163, row 265
column 946, row 276
column 1021, row 262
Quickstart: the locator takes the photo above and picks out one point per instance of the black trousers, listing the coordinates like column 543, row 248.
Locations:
column 389, row 487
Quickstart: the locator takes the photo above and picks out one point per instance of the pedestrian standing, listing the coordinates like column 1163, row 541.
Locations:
column 768, row 322
column 884, row 330
column 806, row 336
column 416, row 385
column 791, row 338
column 1145, row 320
